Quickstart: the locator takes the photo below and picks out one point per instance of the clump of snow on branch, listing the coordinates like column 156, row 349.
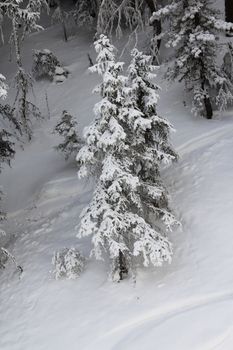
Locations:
column 3, row 86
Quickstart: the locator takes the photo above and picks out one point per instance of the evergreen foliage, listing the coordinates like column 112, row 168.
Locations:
column 3, row 86
column 23, row 16
column 44, row 64
column 25, row 109
column 193, row 32
column 67, row 128
column 68, row 263
column 128, row 216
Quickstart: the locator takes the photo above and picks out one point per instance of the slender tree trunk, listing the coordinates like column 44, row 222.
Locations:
column 16, row 44
column 23, row 85
column 1, row 30
column 64, row 31
column 62, row 20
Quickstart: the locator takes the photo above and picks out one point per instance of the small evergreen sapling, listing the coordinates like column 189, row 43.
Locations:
column 193, row 32
column 68, row 263
column 124, row 147
column 44, row 64
column 67, row 128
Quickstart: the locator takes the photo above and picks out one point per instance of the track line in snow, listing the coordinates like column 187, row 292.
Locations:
column 160, row 316
column 204, row 140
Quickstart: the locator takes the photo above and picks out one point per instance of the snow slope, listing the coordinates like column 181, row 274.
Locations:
column 187, row 305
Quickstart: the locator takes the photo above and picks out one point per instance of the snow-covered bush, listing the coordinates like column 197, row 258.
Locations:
column 194, row 32
column 44, row 64
column 68, row 263
column 60, row 74
column 67, row 128
column 125, row 145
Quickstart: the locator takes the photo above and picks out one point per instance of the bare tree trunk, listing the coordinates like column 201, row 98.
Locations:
column 59, row 4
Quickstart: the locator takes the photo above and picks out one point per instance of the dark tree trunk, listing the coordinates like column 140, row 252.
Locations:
column 122, row 265
column 207, row 102
column 229, row 10
column 208, row 108
column 157, row 24
column 229, row 14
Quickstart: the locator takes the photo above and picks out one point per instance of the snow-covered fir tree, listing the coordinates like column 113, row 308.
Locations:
column 26, row 110
column 67, row 128
column 24, row 17
column 44, row 64
column 124, row 146
column 68, row 263
column 193, row 32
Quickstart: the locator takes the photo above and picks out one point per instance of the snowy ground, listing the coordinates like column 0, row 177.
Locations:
column 187, row 305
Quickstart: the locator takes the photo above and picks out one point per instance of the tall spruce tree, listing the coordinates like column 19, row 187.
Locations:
column 193, row 32
column 123, row 147
column 24, row 18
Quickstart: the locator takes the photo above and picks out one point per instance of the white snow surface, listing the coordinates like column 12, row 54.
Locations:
column 187, row 305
